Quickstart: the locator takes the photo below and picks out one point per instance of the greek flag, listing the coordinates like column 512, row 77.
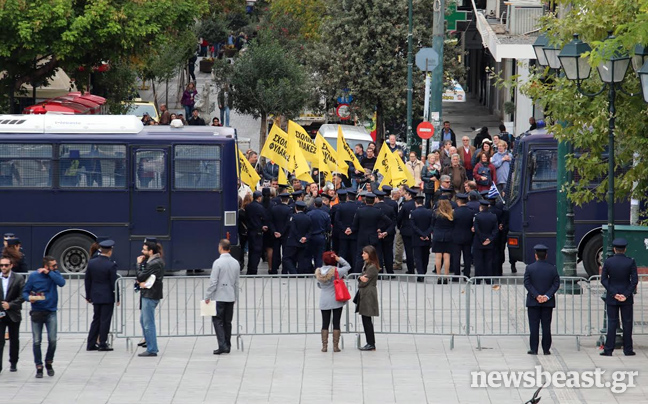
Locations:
column 493, row 192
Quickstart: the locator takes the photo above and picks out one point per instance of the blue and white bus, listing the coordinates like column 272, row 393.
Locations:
column 67, row 179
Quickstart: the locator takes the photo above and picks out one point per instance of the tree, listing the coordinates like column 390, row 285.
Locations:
column 38, row 37
column 587, row 118
column 305, row 14
column 364, row 49
column 268, row 81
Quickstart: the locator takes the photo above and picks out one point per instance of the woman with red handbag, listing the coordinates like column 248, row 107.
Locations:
column 332, row 299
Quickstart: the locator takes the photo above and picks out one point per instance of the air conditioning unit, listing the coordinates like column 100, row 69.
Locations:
column 523, row 16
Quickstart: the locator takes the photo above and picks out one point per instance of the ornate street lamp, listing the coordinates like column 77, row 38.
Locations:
column 640, row 57
column 551, row 54
column 574, row 65
column 643, row 77
column 540, row 43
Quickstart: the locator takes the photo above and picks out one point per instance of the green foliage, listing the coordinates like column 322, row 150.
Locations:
column 117, row 84
column 267, row 80
column 304, row 15
column 213, row 29
column 74, row 34
column 588, row 118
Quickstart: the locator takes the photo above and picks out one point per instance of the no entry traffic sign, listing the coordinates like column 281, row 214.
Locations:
column 425, row 130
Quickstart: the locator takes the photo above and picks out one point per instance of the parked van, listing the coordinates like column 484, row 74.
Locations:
column 352, row 134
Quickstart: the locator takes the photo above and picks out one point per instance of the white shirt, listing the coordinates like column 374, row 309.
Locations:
column 5, row 284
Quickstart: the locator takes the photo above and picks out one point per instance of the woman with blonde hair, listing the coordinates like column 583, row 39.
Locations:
column 328, row 304
column 443, row 223
column 367, row 306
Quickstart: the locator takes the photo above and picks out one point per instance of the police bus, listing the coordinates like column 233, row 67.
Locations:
column 67, row 179
column 531, row 200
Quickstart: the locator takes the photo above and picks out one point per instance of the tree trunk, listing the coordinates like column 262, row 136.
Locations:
column 380, row 125
column 263, row 134
column 155, row 97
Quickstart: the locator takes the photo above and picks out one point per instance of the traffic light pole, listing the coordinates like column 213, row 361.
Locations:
column 438, row 35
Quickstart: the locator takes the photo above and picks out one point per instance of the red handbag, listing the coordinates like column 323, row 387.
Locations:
column 341, row 291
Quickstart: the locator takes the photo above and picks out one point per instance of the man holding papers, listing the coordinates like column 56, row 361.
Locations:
column 223, row 289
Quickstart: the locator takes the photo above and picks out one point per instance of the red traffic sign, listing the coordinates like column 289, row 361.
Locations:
column 425, row 130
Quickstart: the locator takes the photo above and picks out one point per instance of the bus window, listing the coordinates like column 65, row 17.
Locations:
column 92, row 166
column 516, row 178
column 25, row 165
column 197, row 167
column 544, row 169
column 151, row 170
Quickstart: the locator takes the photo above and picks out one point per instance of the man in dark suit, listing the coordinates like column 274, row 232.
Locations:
column 11, row 301
column 279, row 225
column 387, row 242
column 320, row 226
column 256, row 218
column 344, row 220
column 370, row 225
column 100, row 281
column 405, row 225
column 619, row 277
column 295, row 260
column 462, row 236
column 541, row 281
column 422, row 224
column 485, row 229
column 498, row 210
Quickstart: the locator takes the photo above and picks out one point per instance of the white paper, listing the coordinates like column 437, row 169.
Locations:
column 149, row 282
column 207, row 309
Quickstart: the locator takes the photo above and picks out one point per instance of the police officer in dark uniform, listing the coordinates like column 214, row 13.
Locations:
column 473, row 201
column 387, row 242
column 422, row 224
column 279, row 224
column 619, row 277
column 498, row 210
column 281, row 188
column 370, row 225
column 344, row 220
column 100, row 278
column 256, row 218
column 405, row 226
column 296, row 259
column 320, row 225
column 485, row 229
column 326, row 204
column 352, row 196
column 541, row 281
column 462, row 237
column 388, row 200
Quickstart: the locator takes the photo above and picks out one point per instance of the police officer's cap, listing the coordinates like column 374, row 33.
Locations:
column 380, row 193
column 282, row 186
column 107, row 244
column 13, row 241
column 484, row 193
column 9, row 235
column 300, row 204
column 318, row 200
column 342, row 192
column 419, row 197
column 412, row 191
column 540, row 247
column 444, row 198
column 257, row 194
column 462, row 196
column 370, row 195
column 363, row 194
column 446, row 190
column 484, row 202
column 352, row 192
column 620, row 243
column 298, row 193
column 284, row 195
column 387, row 188
column 101, row 238
column 327, row 196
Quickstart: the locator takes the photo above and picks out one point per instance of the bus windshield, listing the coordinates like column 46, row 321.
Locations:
column 516, row 179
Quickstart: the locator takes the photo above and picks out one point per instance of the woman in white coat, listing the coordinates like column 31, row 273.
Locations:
column 328, row 305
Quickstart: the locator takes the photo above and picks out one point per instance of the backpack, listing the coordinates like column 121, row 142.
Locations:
column 483, row 171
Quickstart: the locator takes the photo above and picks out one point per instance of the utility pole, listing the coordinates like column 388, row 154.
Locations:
column 410, row 89
column 438, row 35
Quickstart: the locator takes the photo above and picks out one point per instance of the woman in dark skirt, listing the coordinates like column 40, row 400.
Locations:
column 442, row 236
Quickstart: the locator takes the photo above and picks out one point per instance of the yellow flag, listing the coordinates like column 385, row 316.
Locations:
column 247, row 174
column 401, row 168
column 282, row 177
column 344, row 153
column 387, row 180
column 298, row 163
column 276, row 147
column 382, row 161
column 326, row 153
column 304, row 141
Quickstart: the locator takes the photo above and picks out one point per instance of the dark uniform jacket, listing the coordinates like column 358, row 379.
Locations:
column 367, row 221
column 344, row 218
column 619, row 276
column 280, row 219
column 485, row 225
column 256, row 217
column 392, row 203
column 14, row 297
column 320, row 222
column 541, row 278
column 422, row 225
column 100, row 280
column 463, row 222
column 404, row 222
column 390, row 212
column 300, row 226
column 152, row 266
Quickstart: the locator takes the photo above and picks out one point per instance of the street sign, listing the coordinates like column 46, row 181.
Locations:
column 425, row 130
column 427, row 59
column 343, row 111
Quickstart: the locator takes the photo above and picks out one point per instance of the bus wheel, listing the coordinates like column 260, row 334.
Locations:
column 71, row 252
column 593, row 255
